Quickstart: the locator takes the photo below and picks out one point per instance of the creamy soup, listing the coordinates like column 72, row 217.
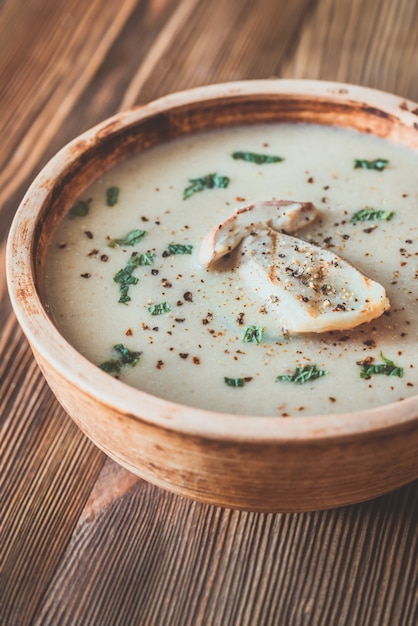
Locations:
column 128, row 290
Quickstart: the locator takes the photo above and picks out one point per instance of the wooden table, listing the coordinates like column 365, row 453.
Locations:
column 83, row 541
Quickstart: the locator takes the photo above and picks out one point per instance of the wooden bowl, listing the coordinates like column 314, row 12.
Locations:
column 253, row 463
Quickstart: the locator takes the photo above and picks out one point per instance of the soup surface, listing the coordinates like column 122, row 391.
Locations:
column 127, row 290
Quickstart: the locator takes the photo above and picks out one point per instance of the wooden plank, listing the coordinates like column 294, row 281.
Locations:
column 47, row 468
column 176, row 562
column 201, row 50
column 372, row 43
column 64, row 45
column 82, row 538
column 102, row 97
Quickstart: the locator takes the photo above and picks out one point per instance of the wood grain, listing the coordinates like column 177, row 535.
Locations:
column 193, row 564
column 66, row 45
column 42, row 458
column 373, row 44
column 81, row 541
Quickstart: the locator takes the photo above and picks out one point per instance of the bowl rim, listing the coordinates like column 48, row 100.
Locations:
column 46, row 340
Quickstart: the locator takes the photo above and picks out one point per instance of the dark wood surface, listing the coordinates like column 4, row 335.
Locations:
column 83, row 541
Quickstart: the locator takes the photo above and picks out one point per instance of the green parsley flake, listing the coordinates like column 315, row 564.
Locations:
column 159, row 309
column 180, row 248
column 303, row 375
column 211, row 181
column 369, row 214
column 124, row 277
column 253, row 334
column 234, row 382
column 388, row 368
column 131, row 239
column 123, row 357
column 253, row 157
column 80, row 208
column 126, row 357
column 112, row 196
column 146, row 259
column 112, row 366
column 377, row 164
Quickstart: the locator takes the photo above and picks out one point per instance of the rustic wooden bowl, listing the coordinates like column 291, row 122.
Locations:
column 253, row 463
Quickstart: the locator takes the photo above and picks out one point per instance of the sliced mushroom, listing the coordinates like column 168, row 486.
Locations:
column 278, row 215
column 305, row 288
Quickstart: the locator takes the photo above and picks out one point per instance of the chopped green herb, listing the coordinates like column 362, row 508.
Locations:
column 369, row 214
column 303, row 374
column 124, row 275
column 253, row 157
column 124, row 298
column 146, row 259
column 131, row 239
column 112, row 196
column 180, row 248
column 234, row 382
column 112, row 366
column 377, row 164
column 125, row 279
column 253, row 334
column 388, row 368
column 159, row 309
column 80, row 208
column 123, row 357
column 126, row 357
column 211, row 181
